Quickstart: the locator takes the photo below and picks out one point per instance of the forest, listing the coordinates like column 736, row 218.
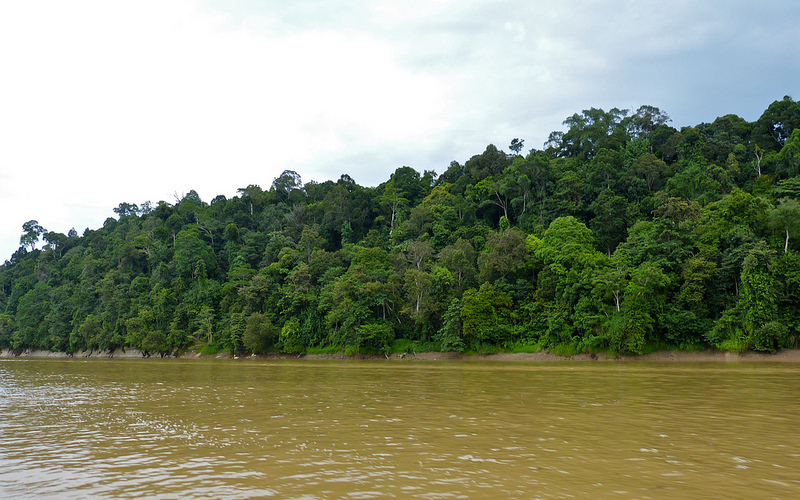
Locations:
column 622, row 235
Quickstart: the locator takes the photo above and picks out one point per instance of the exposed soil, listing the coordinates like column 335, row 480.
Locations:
column 783, row 356
column 786, row 355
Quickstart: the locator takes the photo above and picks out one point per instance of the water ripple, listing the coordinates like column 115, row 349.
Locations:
column 173, row 430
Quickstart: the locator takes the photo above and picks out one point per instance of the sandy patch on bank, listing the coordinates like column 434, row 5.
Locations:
column 785, row 356
column 117, row 353
column 782, row 356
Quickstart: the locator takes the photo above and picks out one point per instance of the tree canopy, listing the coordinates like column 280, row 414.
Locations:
column 623, row 234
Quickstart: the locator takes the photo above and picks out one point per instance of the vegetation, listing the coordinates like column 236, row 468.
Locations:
column 624, row 234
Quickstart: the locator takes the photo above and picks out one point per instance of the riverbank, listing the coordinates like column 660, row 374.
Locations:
column 117, row 353
column 782, row 356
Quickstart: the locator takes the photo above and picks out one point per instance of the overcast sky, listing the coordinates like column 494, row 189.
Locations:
column 103, row 102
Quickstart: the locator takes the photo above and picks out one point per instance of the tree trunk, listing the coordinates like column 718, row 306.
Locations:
column 786, row 244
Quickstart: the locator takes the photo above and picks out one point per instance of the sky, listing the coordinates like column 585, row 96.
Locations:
column 131, row 101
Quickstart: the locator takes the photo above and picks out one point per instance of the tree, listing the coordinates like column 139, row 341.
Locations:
column 518, row 187
column 624, row 231
column 651, row 169
column 570, row 191
column 193, row 257
column 204, row 324
column 787, row 279
column 604, row 169
column 259, row 334
column 174, row 223
column 336, row 210
column 287, row 184
column 644, row 298
column 759, row 299
column 444, row 214
column 700, row 182
column 363, row 294
column 590, row 131
column 721, row 138
column 137, row 328
column 290, row 336
column 776, row 124
column 253, row 198
column 29, row 329
column 610, row 282
column 126, row 210
column 611, row 220
column 450, row 334
column 697, row 274
column 491, row 162
column 376, row 336
column 564, row 241
column 788, row 159
column 418, row 253
column 459, row 259
column 32, row 231
column 310, row 241
column 645, row 121
column 56, row 241
column 6, row 327
column 506, row 256
column 418, row 288
column 787, row 188
column 493, row 192
column 394, row 200
column 786, row 217
column 486, row 315
column 516, row 145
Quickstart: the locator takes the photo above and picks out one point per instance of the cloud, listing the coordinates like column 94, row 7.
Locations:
column 114, row 102
column 108, row 102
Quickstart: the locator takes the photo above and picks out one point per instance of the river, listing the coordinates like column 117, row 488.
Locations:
column 307, row 429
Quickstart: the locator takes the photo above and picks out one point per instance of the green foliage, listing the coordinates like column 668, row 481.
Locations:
column 331, row 349
column 374, row 336
column 682, row 328
column 291, row 337
column 451, row 333
column 786, row 219
column 727, row 332
column 259, row 334
column 624, row 235
column 486, row 315
column 564, row 241
column 769, row 337
column 563, row 349
column 759, row 295
column 523, row 347
column 505, row 256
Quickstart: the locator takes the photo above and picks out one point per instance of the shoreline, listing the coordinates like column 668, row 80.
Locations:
column 782, row 356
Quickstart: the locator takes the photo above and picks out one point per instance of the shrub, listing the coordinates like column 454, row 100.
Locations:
column 769, row 337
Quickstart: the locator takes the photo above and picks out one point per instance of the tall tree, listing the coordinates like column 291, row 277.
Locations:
column 590, row 131
column 776, row 124
column 31, row 232
column 786, row 218
column 288, row 186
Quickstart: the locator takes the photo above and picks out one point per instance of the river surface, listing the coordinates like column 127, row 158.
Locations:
column 180, row 429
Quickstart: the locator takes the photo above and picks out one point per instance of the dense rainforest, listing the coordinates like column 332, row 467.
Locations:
column 623, row 234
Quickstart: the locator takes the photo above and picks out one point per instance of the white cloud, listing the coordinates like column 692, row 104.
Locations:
column 107, row 102
column 113, row 102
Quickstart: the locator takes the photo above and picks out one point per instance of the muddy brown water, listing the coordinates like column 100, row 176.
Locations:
column 175, row 429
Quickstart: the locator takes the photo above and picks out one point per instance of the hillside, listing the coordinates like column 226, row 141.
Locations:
column 623, row 234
